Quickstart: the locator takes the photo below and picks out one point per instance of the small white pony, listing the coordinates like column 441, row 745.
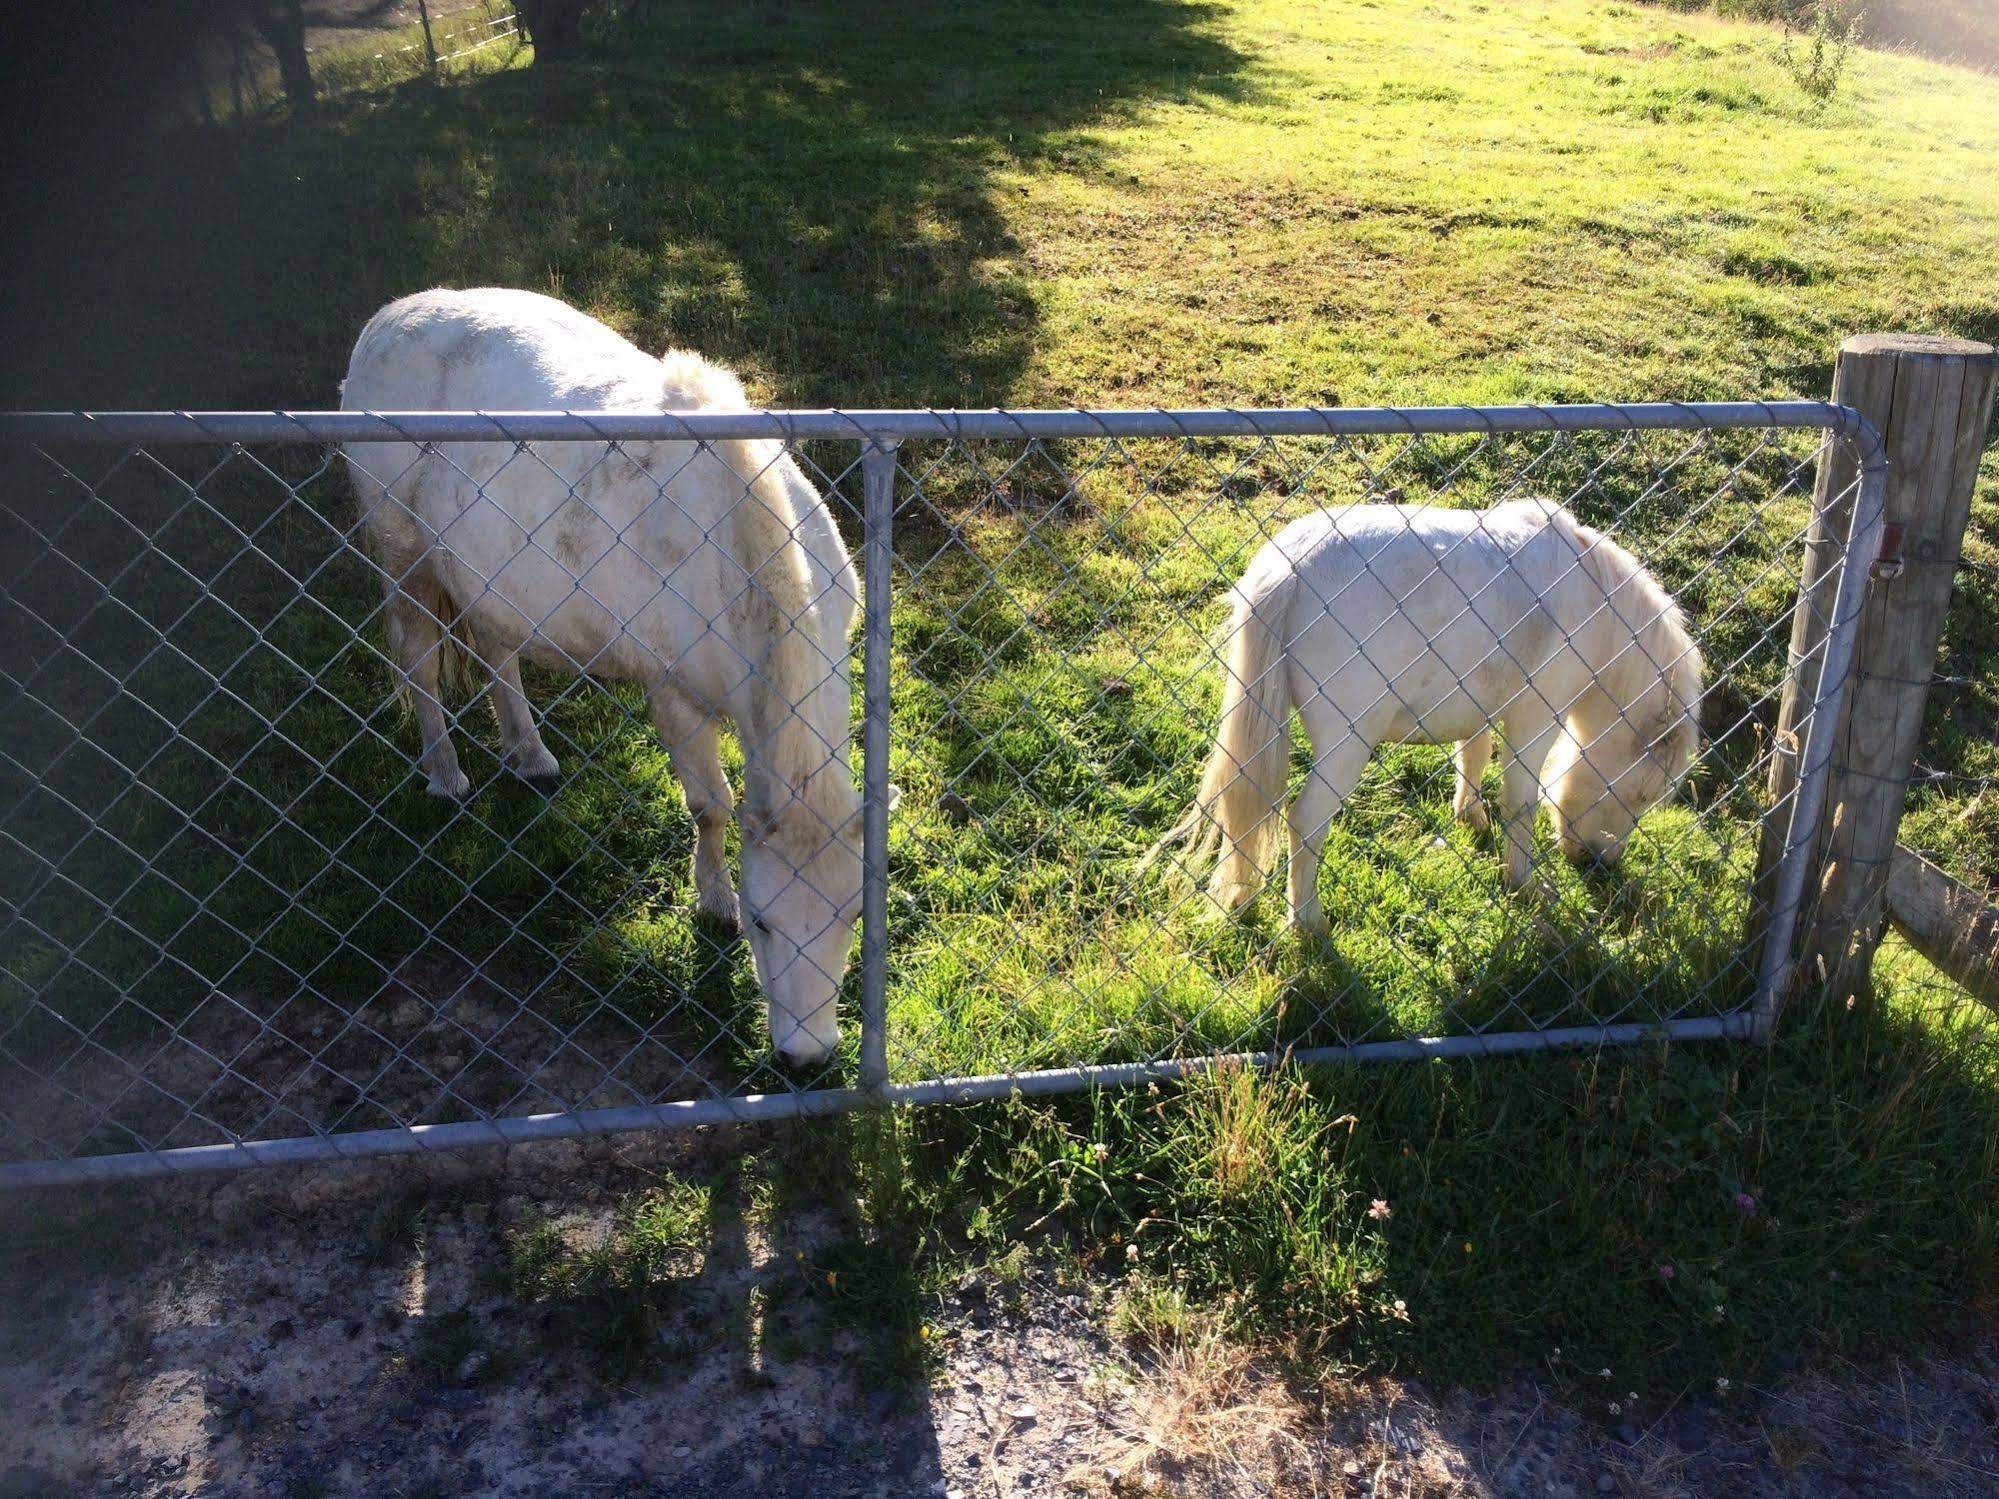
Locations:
column 711, row 574
column 1379, row 623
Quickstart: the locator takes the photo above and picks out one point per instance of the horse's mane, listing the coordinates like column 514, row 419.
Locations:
column 789, row 664
column 1662, row 648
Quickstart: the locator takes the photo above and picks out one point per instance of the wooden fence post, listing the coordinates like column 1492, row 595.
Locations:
column 429, row 42
column 1931, row 400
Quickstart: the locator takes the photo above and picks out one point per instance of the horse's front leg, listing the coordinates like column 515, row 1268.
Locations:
column 1527, row 747
column 690, row 739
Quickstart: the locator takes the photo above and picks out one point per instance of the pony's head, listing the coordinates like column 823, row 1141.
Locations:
column 1627, row 740
column 801, row 896
column 801, row 899
column 1602, row 779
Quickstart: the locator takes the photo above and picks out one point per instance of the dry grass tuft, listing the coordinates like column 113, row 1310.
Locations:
column 1208, row 1416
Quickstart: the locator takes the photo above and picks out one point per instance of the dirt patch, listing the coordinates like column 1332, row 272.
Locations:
column 293, row 1334
column 438, row 1042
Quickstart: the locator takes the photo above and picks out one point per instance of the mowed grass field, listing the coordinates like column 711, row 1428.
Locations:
column 1146, row 204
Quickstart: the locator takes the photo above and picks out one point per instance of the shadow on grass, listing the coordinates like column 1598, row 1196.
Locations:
column 815, row 195
column 1677, row 1216
column 211, row 785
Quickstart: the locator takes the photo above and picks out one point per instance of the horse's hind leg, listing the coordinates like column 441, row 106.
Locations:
column 1474, row 754
column 417, row 637
column 1333, row 777
column 691, row 744
column 1521, row 797
column 521, row 744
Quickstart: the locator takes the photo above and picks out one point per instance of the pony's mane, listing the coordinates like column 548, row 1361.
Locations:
column 1663, row 649
column 790, row 667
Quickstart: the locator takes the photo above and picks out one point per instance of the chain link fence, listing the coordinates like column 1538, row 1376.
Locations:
column 237, row 925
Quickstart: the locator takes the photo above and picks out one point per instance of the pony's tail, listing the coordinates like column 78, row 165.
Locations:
column 1239, row 806
column 456, row 647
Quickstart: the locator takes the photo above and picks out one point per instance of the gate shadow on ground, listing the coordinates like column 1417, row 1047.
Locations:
column 681, row 1314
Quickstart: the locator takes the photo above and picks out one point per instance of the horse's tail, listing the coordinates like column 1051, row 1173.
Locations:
column 456, row 647
column 1239, row 805
column 789, row 661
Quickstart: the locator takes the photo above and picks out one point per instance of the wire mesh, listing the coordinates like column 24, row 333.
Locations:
column 240, row 926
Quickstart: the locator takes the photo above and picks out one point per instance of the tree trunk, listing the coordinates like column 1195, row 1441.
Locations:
column 553, row 26
column 283, row 26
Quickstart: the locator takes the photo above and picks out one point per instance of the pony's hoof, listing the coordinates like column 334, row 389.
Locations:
column 456, row 787
column 1226, row 900
column 1534, row 891
column 547, row 784
column 1474, row 816
column 721, row 908
column 1311, row 928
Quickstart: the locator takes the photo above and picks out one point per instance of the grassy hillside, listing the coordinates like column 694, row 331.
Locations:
column 1135, row 203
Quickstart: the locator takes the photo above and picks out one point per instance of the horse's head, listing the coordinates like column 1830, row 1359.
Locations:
column 801, row 899
column 1602, row 779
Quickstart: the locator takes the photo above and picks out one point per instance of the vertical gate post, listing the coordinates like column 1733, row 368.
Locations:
column 878, row 507
column 1931, row 400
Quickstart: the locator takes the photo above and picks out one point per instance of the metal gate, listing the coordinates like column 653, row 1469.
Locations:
column 235, row 930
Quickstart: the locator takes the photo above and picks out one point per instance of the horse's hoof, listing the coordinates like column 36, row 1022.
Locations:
column 455, row 788
column 724, row 911
column 547, row 784
column 1474, row 816
column 1311, row 928
column 1232, row 897
column 1534, row 891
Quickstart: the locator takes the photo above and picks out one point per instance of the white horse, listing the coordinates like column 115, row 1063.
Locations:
column 711, row 574
column 1379, row 623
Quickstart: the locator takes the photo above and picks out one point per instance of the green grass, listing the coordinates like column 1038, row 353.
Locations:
column 1141, row 203
column 1828, row 1198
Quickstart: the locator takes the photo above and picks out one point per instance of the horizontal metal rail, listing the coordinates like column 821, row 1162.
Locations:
column 899, row 426
column 755, row 1108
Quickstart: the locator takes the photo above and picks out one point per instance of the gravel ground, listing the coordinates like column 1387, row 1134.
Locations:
column 256, row 1336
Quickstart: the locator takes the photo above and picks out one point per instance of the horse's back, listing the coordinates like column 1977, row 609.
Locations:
column 1417, row 621
column 495, row 349
column 567, row 551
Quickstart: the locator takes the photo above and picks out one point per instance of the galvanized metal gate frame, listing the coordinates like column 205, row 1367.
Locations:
column 879, row 434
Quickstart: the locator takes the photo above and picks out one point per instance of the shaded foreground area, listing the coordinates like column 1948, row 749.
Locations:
column 421, row 1333
column 1689, row 1274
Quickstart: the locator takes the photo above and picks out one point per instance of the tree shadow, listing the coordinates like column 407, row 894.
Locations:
column 819, row 197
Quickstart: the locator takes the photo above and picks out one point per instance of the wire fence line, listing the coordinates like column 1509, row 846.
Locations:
column 239, row 928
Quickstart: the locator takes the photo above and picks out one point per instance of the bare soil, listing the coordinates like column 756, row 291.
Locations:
column 266, row 1335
